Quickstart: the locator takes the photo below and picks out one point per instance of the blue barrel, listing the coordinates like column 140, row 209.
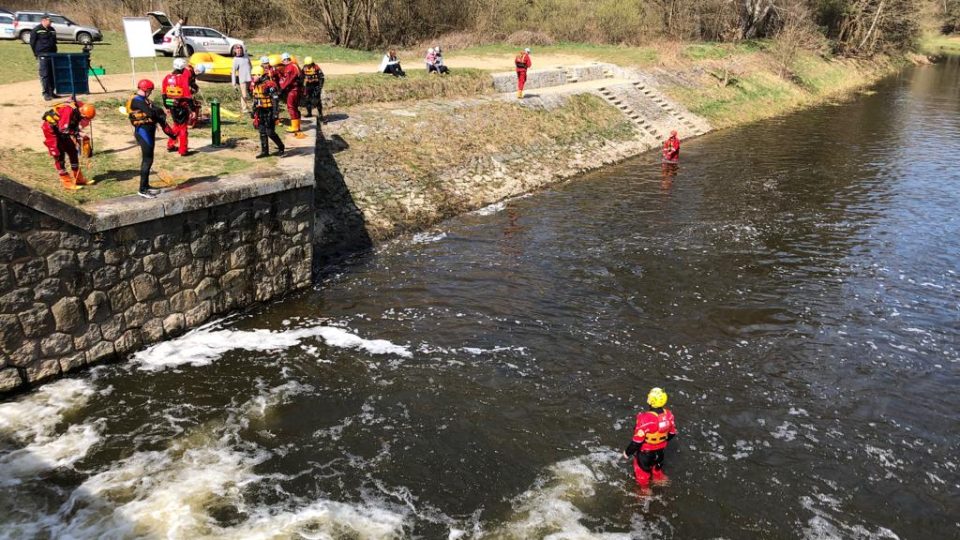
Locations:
column 70, row 76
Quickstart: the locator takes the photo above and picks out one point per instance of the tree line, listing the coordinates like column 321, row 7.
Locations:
column 850, row 27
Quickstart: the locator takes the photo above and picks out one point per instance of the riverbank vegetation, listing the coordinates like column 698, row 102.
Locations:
column 851, row 27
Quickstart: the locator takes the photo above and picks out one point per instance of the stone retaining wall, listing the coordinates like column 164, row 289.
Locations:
column 71, row 298
column 540, row 78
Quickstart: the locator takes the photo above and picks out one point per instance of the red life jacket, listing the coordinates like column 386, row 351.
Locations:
column 653, row 429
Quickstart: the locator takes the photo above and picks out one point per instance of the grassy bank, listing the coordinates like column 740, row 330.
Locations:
column 752, row 86
column 437, row 160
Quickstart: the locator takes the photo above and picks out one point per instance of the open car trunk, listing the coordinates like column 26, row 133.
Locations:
column 161, row 19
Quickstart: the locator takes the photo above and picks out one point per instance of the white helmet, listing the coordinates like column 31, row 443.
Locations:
column 430, row 50
column 200, row 69
column 527, row 50
column 284, row 56
column 179, row 63
column 264, row 59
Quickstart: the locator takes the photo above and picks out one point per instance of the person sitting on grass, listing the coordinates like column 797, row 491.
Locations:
column 391, row 64
column 431, row 61
column 438, row 61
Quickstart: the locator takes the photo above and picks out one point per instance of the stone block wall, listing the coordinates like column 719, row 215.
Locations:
column 70, row 298
column 541, row 78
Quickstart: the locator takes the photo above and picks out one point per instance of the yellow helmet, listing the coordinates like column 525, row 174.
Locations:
column 275, row 60
column 308, row 60
column 657, row 398
column 257, row 71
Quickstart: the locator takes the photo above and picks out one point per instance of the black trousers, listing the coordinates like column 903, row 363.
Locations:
column 268, row 130
column 45, row 65
column 146, row 138
column 650, row 460
column 313, row 99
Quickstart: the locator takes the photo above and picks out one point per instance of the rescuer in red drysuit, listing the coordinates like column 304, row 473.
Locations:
column 671, row 148
column 61, row 135
column 522, row 63
column 177, row 89
column 290, row 84
column 654, row 428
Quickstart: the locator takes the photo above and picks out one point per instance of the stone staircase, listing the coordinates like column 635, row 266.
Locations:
column 662, row 102
column 647, row 130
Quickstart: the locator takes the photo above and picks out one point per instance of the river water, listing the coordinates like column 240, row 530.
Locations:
column 793, row 287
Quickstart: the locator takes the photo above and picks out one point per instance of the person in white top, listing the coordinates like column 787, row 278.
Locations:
column 177, row 34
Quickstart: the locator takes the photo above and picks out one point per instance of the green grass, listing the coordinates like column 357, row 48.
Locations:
column 320, row 53
column 940, row 44
column 627, row 56
column 719, row 51
column 418, row 84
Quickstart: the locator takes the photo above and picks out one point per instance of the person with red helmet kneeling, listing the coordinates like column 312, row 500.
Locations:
column 655, row 427
column 144, row 116
column 61, row 135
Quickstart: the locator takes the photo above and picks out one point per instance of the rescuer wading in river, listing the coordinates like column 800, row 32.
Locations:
column 654, row 428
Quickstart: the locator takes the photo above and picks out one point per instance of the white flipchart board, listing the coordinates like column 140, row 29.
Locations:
column 139, row 42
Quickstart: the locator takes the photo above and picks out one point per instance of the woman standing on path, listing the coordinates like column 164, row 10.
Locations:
column 523, row 63
column 240, row 75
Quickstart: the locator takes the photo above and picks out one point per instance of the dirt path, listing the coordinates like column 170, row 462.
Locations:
column 21, row 104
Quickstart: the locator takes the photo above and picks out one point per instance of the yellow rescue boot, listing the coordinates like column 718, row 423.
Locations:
column 294, row 126
column 67, row 182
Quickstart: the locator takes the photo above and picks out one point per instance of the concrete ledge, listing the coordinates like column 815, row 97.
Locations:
column 129, row 210
column 507, row 81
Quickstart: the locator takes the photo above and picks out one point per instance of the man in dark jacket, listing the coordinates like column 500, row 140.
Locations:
column 43, row 41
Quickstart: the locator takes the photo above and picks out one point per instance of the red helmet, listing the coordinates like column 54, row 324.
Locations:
column 145, row 85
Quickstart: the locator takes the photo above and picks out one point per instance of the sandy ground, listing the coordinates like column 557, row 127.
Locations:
column 21, row 104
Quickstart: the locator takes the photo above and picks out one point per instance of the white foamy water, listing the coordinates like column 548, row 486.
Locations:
column 825, row 525
column 489, row 210
column 553, row 507
column 173, row 493
column 31, row 423
column 206, row 344
column 428, row 237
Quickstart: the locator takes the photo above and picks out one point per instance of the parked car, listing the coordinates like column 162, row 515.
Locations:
column 196, row 39
column 6, row 26
column 67, row 30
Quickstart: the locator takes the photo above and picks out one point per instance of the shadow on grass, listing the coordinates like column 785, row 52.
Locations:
column 115, row 150
column 117, row 176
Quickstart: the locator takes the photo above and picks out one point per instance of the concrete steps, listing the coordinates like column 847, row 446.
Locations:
column 661, row 102
column 647, row 130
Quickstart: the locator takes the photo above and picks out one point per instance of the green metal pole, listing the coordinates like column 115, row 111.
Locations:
column 215, row 121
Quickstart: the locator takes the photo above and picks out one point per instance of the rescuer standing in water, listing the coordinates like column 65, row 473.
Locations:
column 671, row 148
column 655, row 427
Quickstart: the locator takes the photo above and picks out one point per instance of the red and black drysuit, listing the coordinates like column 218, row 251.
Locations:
column 654, row 428
column 671, row 149
column 61, row 127
column 178, row 89
column 313, row 89
column 265, row 112
column 522, row 63
column 290, row 88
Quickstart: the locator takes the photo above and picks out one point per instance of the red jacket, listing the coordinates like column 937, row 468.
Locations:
column 671, row 149
column 289, row 77
column 653, row 429
column 65, row 117
column 177, row 86
column 522, row 61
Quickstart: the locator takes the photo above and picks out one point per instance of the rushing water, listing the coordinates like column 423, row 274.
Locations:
column 794, row 288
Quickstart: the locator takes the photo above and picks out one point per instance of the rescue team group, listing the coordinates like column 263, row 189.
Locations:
column 271, row 83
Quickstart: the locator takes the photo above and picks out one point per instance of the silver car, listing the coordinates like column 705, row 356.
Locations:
column 195, row 38
column 6, row 26
column 67, row 30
